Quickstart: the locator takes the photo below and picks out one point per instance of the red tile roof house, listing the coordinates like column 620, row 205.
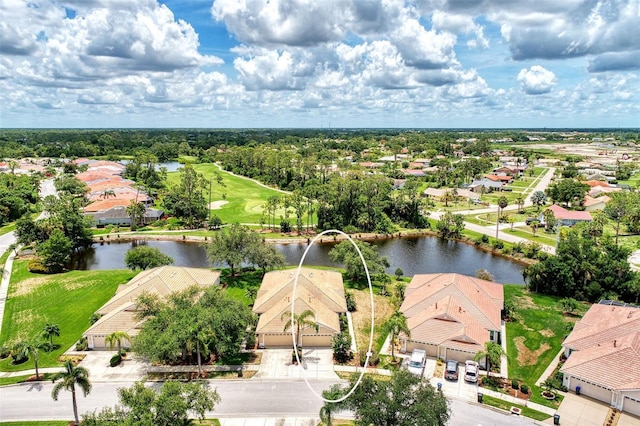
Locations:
column 604, row 355
column 567, row 217
column 451, row 316
column 500, row 178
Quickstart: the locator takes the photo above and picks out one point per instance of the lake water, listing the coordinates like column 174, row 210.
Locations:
column 171, row 166
column 421, row 255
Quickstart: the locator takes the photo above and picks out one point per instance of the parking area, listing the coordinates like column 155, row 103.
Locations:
column 317, row 363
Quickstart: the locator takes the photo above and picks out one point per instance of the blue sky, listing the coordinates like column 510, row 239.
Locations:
column 320, row 63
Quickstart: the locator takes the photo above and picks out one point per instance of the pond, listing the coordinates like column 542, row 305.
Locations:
column 420, row 255
column 171, row 166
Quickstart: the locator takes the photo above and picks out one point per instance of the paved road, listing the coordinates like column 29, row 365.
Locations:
column 239, row 399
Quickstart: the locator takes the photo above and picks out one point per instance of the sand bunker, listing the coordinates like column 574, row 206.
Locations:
column 217, row 205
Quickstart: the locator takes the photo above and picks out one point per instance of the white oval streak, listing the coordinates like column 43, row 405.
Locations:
column 293, row 298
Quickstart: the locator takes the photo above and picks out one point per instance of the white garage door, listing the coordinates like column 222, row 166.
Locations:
column 592, row 390
column 631, row 405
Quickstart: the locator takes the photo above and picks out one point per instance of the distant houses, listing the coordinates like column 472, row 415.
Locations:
column 110, row 194
column 567, row 217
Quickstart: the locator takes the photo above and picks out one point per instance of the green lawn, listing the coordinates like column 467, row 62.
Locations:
column 245, row 198
column 68, row 300
column 42, row 423
column 506, row 405
column 534, row 338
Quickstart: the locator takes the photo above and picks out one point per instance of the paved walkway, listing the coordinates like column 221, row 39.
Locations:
column 4, row 284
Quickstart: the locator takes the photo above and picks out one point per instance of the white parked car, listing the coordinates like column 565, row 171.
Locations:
column 417, row 362
column 470, row 371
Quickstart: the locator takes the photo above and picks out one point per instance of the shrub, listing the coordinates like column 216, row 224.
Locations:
column 82, row 344
column 115, row 360
column 514, row 384
column 341, row 346
column 518, row 247
column 507, row 250
column 37, row 267
column 4, row 352
column 490, row 382
column 524, row 389
column 373, row 361
column 497, row 244
column 250, row 339
column 351, row 301
column 484, row 239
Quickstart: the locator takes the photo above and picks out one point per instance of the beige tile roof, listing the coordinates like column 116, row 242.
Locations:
column 324, row 285
column 610, row 364
column 118, row 313
column 447, row 323
column 603, row 324
column 483, row 300
column 317, row 290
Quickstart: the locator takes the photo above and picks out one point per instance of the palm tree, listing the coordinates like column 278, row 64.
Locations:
column 69, row 378
column 49, row 331
column 302, row 320
column 446, row 197
column 492, row 353
column 329, row 408
column 107, row 193
column 502, row 203
column 136, row 211
column 396, row 324
column 520, row 202
column 31, row 348
column 116, row 338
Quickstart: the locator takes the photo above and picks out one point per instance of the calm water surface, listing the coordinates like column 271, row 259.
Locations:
column 421, row 255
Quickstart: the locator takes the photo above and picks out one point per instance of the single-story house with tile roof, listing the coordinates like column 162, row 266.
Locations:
column 451, row 316
column 317, row 290
column 500, row 178
column 593, row 204
column 488, row 185
column 119, row 313
column 603, row 356
column 439, row 192
column 567, row 217
column 118, row 215
column 416, row 173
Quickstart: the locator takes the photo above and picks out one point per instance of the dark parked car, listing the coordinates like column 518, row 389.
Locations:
column 451, row 370
column 530, row 219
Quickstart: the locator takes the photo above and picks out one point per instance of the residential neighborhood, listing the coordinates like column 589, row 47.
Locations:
column 221, row 303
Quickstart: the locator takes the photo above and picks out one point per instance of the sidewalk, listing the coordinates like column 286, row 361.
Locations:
column 4, row 284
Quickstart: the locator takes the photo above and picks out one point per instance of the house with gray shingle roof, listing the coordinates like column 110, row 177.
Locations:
column 604, row 355
column 451, row 316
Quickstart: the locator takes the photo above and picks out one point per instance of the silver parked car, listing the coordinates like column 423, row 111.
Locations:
column 471, row 371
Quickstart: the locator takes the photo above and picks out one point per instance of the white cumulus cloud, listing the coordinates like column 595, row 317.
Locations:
column 536, row 80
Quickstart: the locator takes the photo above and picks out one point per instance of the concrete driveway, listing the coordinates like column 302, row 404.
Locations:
column 316, row 363
column 583, row 411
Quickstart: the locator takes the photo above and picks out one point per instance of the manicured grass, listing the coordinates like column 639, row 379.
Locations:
column 42, row 423
column 506, row 405
column 244, row 197
column 7, row 228
column 534, row 337
column 67, row 299
column 4, row 381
